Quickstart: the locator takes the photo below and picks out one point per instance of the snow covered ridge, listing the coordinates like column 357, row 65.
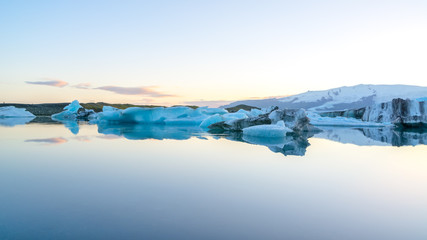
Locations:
column 343, row 98
column 13, row 112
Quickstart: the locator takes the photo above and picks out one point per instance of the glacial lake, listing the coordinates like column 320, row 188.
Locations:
column 81, row 181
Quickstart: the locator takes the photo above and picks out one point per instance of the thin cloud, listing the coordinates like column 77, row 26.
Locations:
column 49, row 141
column 145, row 91
column 83, row 86
column 49, row 82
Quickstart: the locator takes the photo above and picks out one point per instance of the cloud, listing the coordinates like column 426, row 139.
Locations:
column 82, row 86
column 146, row 91
column 49, row 141
column 49, row 82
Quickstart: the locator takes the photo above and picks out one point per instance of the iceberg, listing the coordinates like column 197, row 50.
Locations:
column 13, row 112
column 74, row 111
column 277, row 130
column 317, row 120
column 168, row 116
column 211, row 120
column 400, row 112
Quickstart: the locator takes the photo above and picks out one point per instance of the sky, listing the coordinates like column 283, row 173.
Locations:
column 205, row 52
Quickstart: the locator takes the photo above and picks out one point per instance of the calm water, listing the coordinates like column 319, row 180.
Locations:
column 132, row 182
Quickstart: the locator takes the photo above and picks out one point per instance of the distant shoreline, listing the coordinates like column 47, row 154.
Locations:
column 47, row 109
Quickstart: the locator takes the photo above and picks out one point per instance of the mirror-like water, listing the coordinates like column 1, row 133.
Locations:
column 138, row 182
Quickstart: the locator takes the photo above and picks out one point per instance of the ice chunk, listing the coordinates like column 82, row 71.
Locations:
column 212, row 111
column 255, row 112
column 13, row 112
column 317, row 120
column 109, row 109
column 70, row 112
column 211, row 120
column 161, row 115
column 73, row 107
column 233, row 116
column 278, row 130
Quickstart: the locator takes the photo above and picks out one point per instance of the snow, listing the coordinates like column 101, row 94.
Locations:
column 378, row 93
column 342, row 98
column 69, row 113
column 423, row 99
column 13, row 112
column 317, row 120
column 277, row 130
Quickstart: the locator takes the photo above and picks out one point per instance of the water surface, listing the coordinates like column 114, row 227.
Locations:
column 139, row 182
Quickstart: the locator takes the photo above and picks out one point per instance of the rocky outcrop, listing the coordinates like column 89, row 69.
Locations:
column 296, row 120
column 85, row 114
column 239, row 124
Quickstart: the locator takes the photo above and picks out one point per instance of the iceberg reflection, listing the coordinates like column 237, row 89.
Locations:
column 288, row 145
column 386, row 136
column 150, row 131
column 13, row 121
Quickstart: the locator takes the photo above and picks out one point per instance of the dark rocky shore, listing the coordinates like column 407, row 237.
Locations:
column 48, row 109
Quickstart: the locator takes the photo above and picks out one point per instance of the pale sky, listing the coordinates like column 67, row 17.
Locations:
column 177, row 52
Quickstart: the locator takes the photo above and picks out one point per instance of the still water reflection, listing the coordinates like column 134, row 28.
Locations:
column 134, row 182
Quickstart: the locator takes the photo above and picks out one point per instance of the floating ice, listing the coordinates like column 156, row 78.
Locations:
column 277, row 130
column 401, row 112
column 317, row 120
column 211, row 120
column 211, row 111
column 70, row 112
column 13, row 112
column 169, row 116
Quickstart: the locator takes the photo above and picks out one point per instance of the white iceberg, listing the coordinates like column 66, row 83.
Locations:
column 317, row 120
column 277, row 130
column 13, row 112
column 401, row 112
